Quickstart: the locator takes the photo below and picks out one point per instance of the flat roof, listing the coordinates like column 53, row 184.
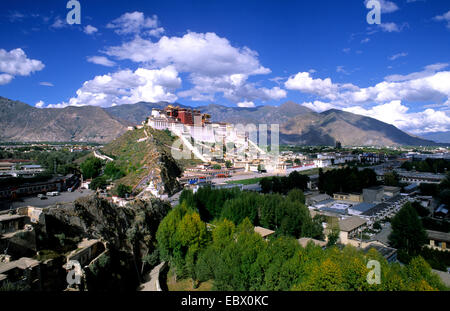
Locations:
column 263, row 231
column 351, row 223
column 437, row 235
column 362, row 207
column 376, row 209
column 22, row 263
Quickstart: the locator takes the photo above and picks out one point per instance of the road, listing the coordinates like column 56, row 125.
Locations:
column 64, row 197
column 383, row 235
column 242, row 176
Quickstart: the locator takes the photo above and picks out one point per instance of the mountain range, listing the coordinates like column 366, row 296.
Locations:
column 298, row 124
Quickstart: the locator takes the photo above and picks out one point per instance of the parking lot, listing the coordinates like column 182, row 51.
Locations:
column 64, row 197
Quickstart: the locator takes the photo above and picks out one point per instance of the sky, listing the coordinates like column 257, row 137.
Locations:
column 320, row 54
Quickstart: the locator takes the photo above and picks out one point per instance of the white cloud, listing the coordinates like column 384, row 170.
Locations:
column 127, row 87
column 44, row 83
column 101, row 60
column 318, row 106
column 444, row 17
column 202, row 53
column 389, row 27
column 58, row 23
column 5, row 78
column 39, row 104
column 303, row 82
column 213, row 64
column 246, row 104
column 365, row 40
column 135, row 23
column 428, row 71
column 15, row 62
column 89, row 29
column 397, row 114
column 398, row 55
column 386, row 6
column 59, row 106
column 429, row 85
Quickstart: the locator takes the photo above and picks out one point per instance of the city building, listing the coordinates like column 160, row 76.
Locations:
column 438, row 240
column 350, row 227
column 373, row 194
column 353, row 197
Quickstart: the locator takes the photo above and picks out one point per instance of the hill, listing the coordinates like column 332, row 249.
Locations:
column 440, row 137
column 144, row 155
column 21, row 122
column 298, row 124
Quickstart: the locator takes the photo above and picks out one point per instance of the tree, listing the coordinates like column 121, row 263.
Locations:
column 122, row 190
column 91, row 167
column 391, row 179
column 216, row 167
column 296, row 195
column 112, row 171
column 228, row 164
column 408, row 233
column 98, row 183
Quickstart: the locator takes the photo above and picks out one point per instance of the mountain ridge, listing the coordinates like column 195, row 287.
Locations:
column 298, row 124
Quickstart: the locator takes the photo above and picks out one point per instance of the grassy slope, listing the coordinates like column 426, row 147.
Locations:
column 137, row 159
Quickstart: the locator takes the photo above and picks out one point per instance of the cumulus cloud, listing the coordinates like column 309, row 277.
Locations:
column 444, row 17
column 126, row 87
column 212, row 63
column 398, row 115
column 136, row 23
column 59, row 106
column 89, row 29
column 39, row 104
column 318, row 106
column 246, row 104
column 101, row 60
column 16, row 63
column 303, row 82
column 429, row 85
column 5, row 78
column 202, row 53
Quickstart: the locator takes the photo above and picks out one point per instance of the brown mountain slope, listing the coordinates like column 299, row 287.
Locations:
column 21, row 122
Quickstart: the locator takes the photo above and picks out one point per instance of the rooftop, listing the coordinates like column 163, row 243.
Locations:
column 22, row 263
column 376, row 209
column 363, row 207
column 439, row 236
column 351, row 223
column 263, row 231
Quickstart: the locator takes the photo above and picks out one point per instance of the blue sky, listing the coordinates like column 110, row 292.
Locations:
column 322, row 54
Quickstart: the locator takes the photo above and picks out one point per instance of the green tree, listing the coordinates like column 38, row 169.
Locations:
column 122, row 190
column 408, row 233
column 91, row 167
column 296, row 195
column 98, row 183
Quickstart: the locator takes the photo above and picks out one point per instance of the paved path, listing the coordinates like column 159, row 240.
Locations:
column 383, row 235
column 152, row 280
